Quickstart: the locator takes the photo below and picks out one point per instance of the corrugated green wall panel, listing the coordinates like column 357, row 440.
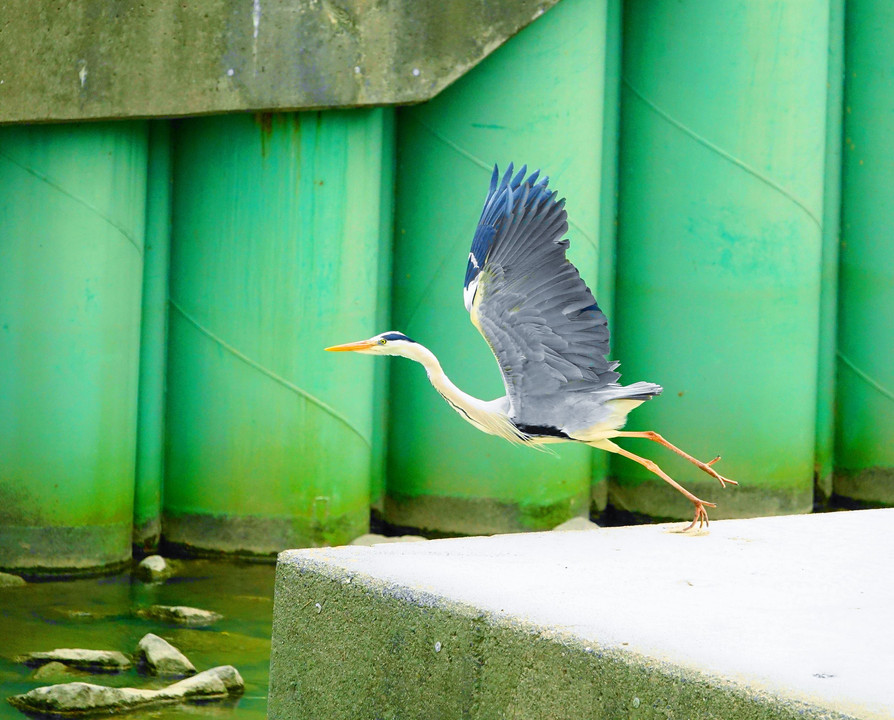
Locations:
column 537, row 100
column 72, row 214
column 153, row 341
column 274, row 257
column 864, row 455
column 719, row 252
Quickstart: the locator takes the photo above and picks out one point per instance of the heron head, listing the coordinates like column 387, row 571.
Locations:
column 386, row 343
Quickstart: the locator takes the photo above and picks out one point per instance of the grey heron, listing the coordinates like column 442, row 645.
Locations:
column 547, row 332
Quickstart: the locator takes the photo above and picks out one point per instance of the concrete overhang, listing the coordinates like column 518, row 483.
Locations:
column 101, row 59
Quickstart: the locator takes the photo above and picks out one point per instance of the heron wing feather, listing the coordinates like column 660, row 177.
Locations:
column 529, row 302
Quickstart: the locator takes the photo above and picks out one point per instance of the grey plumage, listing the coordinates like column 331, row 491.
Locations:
column 539, row 317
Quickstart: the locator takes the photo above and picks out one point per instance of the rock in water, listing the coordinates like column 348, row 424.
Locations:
column 576, row 523
column 7, row 580
column 56, row 672
column 153, row 568
column 162, row 658
column 79, row 698
column 76, row 614
column 109, row 661
column 180, row 614
column 226, row 674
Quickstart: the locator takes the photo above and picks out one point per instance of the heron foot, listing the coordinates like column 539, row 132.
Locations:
column 655, row 437
column 701, row 514
column 724, row 481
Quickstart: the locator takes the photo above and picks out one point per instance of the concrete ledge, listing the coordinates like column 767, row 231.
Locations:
column 94, row 59
column 765, row 618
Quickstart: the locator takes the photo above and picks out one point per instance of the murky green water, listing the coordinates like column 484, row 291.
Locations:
column 98, row 614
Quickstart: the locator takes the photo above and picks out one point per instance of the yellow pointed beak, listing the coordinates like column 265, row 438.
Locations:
column 361, row 345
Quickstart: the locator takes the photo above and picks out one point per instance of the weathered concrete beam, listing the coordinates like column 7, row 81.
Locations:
column 63, row 60
column 779, row 617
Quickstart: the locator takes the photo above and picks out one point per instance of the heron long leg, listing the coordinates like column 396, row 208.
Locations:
column 651, row 435
column 701, row 515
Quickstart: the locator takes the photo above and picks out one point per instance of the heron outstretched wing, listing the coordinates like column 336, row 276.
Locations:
column 530, row 303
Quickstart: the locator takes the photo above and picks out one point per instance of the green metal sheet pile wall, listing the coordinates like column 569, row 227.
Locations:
column 226, row 428
column 536, row 100
column 865, row 436
column 718, row 285
column 72, row 218
column 275, row 256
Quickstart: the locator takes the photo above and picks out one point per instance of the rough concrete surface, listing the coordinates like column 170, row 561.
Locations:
column 108, row 59
column 778, row 617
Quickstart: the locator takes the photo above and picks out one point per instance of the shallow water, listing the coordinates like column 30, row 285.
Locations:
column 98, row 614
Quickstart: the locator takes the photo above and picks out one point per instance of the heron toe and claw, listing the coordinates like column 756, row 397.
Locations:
column 547, row 332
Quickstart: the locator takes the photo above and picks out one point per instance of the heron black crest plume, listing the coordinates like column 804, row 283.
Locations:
column 545, row 328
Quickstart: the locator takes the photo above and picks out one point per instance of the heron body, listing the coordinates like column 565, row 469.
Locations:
column 546, row 331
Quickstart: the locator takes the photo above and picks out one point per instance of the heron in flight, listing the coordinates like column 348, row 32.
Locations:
column 548, row 334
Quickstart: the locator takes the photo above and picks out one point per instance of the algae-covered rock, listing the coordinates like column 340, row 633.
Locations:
column 74, row 614
column 110, row 661
column 55, row 671
column 162, row 658
column 8, row 580
column 153, row 568
column 79, row 698
column 80, row 615
column 180, row 614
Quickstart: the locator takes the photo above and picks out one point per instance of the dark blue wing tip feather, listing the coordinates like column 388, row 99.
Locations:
column 505, row 192
column 515, row 180
column 507, row 175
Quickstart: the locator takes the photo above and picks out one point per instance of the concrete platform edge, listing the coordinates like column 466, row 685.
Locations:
column 348, row 645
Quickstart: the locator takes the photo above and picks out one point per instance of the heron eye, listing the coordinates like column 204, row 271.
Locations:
column 383, row 341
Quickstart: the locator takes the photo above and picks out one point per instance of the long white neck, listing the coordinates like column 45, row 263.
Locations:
column 486, row 416
column 460, row 401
